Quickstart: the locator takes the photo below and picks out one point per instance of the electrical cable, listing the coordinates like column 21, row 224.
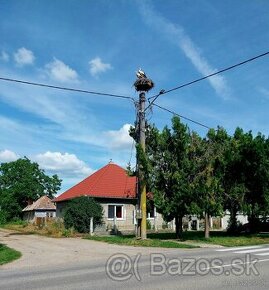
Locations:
column 183, row 117
column 162, row 92
column 65, row 88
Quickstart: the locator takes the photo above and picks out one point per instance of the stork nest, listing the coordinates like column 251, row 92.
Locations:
column 143, row 84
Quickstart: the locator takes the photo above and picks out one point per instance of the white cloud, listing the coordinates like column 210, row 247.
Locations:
column 177, row 35
column 119, row 139
column 64, row 164
column 97, row 66
column 4, row 56
column 59, row 71
column 24, row 56
column 7, row 156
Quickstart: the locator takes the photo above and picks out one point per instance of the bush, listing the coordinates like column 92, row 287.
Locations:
column 234, row 227
column 3, row 217
column 18, row 221
column 79, row 212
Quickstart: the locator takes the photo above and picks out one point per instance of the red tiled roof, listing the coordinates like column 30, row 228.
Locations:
column 110, row 181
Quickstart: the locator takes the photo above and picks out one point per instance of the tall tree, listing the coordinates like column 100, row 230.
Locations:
column 207, row 184
column 167, row 170
column 22, row 181
column 234, row 178
column 256, row 170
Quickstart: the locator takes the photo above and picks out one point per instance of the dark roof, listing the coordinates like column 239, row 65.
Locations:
column 111, row 181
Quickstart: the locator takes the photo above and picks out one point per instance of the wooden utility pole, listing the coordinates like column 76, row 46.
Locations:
column 142, row 183
column 142, row 85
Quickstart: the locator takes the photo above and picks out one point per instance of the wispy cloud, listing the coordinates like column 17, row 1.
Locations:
column 69, row 120
column 97, row 66
column 178, row 36
column 4, row 56
column 29, row 136
column 24, row 56
column 59, row 71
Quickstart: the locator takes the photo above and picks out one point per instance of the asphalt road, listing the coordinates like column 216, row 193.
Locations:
column 80, row 264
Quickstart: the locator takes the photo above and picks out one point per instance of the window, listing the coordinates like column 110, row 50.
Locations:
column 49, row 214
column 115, row 211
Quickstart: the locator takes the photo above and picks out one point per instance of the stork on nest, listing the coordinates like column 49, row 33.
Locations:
column 140, row 74
column 143, row 83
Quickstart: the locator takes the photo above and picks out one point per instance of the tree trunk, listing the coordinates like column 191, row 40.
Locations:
column 178, row 220
column 206, row 225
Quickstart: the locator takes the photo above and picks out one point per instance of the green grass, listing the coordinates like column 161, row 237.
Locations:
column 7, row 254
column 190, row 240
column 216, row 237
column 164, row 239
column 130, row 240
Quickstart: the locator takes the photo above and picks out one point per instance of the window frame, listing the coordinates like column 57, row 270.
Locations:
column 115, row 205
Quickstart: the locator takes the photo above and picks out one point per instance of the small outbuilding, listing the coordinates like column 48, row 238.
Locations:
column 43, row 208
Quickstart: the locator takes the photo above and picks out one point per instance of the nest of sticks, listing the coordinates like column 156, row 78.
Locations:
column 143, row 84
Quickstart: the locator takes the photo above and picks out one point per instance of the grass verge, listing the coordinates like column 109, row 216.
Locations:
column 132, row 241
column 7, row 254
column 216, row 237
column 190, row 239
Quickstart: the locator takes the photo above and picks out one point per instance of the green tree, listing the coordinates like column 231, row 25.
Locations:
column 22, row 181
column 207, row 183
column 79, row 212
column 234, row 178
column 167, row 170
column 255, row 154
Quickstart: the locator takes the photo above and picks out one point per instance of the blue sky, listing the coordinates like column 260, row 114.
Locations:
column 98, row 45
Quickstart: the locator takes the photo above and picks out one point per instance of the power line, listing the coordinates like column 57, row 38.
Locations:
column 162, row 92
column 176, row 114
column 65, row 88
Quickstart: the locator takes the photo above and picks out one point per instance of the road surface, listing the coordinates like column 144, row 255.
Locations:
column 49, row 263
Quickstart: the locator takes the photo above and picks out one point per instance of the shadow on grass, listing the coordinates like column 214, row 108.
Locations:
column 199, row 235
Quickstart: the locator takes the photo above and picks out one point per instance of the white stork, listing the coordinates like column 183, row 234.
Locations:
column 140, row 74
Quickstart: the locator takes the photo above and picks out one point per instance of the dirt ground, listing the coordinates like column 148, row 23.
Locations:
column 40, row 251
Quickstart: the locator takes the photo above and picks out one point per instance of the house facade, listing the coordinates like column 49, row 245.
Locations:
column 116, row 192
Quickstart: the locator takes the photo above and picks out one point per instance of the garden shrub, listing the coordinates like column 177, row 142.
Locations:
column 79, row 212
